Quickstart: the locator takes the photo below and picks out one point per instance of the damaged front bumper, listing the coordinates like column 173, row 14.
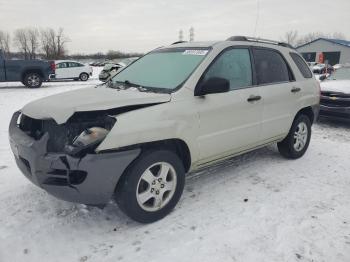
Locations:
column 88, row 180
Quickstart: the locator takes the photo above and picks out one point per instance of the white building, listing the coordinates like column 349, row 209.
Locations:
column 334, row 51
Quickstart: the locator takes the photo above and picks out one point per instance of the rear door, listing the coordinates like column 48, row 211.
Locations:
column 74, row 69
column 279, row 92
column 62, row 70
column 229, row 122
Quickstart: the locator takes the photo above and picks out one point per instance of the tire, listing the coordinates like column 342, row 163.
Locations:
column 297, row 142
column 32, row 80
column 145, row 208
column 84, row 77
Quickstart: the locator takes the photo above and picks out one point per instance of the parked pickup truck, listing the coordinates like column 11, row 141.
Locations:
column 30, row 72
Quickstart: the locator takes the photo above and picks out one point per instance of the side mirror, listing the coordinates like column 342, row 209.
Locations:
column 213, row 85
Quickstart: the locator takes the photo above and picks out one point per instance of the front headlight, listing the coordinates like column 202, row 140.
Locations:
column 89, row 139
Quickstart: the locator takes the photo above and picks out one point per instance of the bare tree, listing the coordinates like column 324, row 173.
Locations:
column 48, row 42
column 21, row 41
column 315, row 35
column 291, row 37
column 62, row 39
column 33, row 42
column 53, row 43
column 338, row 35
column 5, row 42
column 44, row 42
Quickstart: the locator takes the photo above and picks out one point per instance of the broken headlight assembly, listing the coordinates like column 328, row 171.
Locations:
column 87, row 141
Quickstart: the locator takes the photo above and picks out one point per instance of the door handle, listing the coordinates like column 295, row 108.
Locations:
column 253, row 98
column 295, row 89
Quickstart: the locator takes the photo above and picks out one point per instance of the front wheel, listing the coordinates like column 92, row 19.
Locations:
column 32, row 80
column 296, row 143
column 84, row 77
column 152, row 186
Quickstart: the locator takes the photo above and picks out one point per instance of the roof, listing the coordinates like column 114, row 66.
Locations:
column 333, row 41
column 195, row 44
column 240, row 41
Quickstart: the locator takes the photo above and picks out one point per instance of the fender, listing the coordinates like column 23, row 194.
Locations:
column 172, row 120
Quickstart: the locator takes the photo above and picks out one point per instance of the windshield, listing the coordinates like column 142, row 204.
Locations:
column 163, row 70
column 341, row 74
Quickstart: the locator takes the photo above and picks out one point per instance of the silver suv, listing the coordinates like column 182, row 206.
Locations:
column 175, row 110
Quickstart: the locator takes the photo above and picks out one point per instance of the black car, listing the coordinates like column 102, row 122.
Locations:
column 335, row 95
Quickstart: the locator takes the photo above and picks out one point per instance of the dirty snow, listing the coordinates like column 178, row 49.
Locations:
column 256, row 207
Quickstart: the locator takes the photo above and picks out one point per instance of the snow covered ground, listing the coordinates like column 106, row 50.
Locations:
column 256, row 207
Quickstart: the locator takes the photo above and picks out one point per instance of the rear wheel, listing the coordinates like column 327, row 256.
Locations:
column 32, row 80
column 84, row 77
column 152, row 186
column 298, row 139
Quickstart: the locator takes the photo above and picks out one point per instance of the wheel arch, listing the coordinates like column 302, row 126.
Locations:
column 308, row 111
column 178, row 146
column 175, row 145
column 28, row 71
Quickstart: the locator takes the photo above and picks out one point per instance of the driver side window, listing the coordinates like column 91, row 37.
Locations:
column 233, row 65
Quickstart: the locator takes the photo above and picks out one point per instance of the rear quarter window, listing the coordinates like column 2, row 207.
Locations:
column 302, row 66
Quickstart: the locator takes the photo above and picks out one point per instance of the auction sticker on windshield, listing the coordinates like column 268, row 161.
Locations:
column 195, row 52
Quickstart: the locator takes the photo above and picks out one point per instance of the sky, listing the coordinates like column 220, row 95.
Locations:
column 142, row 25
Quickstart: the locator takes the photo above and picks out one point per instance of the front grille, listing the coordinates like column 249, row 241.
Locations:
column 59, row 135
column 335, row 103
column 334, row 99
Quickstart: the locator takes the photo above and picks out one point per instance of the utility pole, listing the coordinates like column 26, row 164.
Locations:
column 191, row 34
column 181, row 35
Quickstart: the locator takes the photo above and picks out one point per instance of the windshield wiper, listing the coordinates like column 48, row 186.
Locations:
column 123, row 85
column 127, row 84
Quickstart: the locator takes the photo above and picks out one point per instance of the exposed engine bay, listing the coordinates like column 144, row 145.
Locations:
column 81, row 134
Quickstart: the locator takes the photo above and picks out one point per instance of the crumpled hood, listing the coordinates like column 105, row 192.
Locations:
column 62, row 106
column 342, row 86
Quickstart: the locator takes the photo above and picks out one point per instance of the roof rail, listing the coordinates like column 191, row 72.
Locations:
column 178, row 42
column 258, row 40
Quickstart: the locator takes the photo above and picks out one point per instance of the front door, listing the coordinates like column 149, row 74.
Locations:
column 229, row 122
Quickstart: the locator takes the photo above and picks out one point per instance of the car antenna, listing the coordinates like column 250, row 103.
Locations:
column 257, row 17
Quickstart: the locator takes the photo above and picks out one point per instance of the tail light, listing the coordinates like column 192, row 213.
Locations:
column 53, row 66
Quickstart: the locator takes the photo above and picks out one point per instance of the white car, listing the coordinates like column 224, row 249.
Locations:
column 175, row 110
column 72, row 70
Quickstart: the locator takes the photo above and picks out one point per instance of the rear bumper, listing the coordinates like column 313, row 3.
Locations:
column 340, row 113
column 88, row 180
column 52, row 76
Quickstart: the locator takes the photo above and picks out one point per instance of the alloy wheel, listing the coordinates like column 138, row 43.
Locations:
column 156, row 186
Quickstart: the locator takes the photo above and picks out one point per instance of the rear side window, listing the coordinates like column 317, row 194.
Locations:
column 270, row 67
column 73, row 64
column 303, row 67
